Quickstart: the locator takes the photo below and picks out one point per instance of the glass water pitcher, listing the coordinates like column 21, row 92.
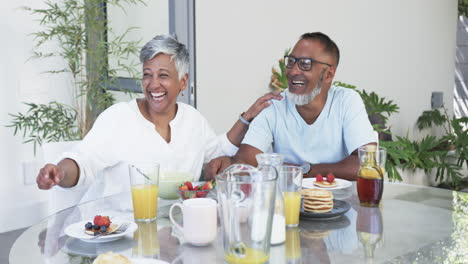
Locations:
column 265, row 162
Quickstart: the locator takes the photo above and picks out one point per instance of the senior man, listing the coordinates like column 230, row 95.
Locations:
column 316, row 125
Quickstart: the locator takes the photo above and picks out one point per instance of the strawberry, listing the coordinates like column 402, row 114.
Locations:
column 330, row 177
column 208, row 185
column 189, row 185
column 96, row 220
column 319, row 177
column 104, row 221
column 183, row 187
column 196, row 188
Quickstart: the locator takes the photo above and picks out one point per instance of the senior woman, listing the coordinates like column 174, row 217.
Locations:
column 154, row 128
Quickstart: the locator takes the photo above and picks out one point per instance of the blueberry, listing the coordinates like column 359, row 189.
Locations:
column 96, row 227
column 88, row 225
column 96, row 233
column 103, row 228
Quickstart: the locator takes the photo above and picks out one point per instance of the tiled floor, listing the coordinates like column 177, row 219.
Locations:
column 6, row 241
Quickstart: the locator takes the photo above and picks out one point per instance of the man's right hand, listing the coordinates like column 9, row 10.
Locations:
column 216, row 166
column 49, row 176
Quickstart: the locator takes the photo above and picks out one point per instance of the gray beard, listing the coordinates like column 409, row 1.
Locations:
column 303, row 99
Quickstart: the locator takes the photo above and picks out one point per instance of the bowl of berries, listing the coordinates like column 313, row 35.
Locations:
column 197, row 189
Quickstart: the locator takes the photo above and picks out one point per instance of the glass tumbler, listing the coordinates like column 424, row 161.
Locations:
column 290, row 181
column 144, row 180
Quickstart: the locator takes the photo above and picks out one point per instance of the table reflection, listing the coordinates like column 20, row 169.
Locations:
column 146, row 240
column 356, row 237
column 369, row 228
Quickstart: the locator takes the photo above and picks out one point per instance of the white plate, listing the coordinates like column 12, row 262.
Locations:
column 340, row 184
column 77, row 230
column 147, row 261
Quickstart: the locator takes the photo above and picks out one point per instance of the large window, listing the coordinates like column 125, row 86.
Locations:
column 154, row 18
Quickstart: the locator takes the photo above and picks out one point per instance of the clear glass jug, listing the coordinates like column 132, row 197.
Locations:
column 246, row 197
column 265, row 161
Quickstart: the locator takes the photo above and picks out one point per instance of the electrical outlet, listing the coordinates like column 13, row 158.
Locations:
column 437, row 100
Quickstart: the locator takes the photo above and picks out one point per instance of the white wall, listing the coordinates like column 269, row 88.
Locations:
column 21, row 81
column 403, row 50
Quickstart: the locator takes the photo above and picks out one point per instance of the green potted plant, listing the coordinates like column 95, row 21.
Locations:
column 85, row 42
column 379, row 110
column 279, row 80
column 452, row 145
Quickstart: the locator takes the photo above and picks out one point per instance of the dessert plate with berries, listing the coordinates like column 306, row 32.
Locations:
column 100, row 229
column 328, row 182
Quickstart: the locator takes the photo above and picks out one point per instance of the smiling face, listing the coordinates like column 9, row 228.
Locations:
column 161, row 84
column 304, row 82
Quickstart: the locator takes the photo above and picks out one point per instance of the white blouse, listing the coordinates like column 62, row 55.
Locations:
column 122, row 135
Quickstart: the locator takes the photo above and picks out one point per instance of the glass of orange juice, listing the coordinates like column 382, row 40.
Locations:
column 290, row 178
column 144, row 180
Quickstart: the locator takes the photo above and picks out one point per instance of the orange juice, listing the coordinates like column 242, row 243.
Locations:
column 292, row 204
column 252, row 256
column 293, row 244
column 145, row 201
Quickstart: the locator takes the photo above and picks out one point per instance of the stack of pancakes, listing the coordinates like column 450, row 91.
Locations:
column 317, row 200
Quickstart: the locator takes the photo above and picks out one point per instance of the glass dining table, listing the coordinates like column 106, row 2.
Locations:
column 413, row 224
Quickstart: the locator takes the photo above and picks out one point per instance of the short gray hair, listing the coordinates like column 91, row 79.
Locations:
column 169, row 45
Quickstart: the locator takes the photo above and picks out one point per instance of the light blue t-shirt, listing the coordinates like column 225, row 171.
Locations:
column 341, row 128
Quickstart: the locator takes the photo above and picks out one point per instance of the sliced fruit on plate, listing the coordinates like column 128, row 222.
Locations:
column 108, row 230
column 328, row 183
column 101, row 224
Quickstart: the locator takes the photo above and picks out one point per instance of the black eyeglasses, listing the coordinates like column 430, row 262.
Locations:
column 304, row 64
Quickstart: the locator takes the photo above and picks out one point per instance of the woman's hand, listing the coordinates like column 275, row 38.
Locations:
column 64, row 174
column 260, row 104
column 49, row 176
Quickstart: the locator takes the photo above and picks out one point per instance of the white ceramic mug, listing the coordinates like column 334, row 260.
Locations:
column 199, row 218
